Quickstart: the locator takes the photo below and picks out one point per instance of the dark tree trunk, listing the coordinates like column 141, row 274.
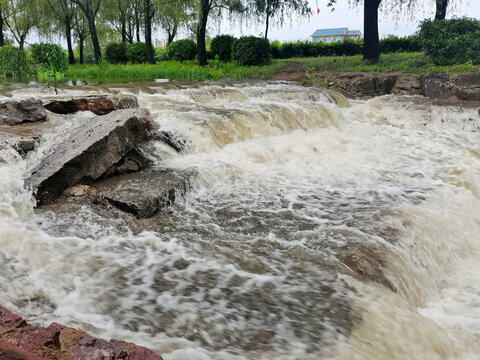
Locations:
column 124, row 30
column 267, row 24
column 21, row 42
column 2, row 40
column 441, row 10
column 80, row 50
column 171, row 35
column 130, row 32
column 148, row 31
column 371, row 44
column 201, row 32
column 137, row 24
column 93, row 34
column 68, row 34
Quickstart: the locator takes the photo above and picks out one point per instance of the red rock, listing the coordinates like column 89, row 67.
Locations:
column 141, row 353
column 90, row 348
column 11, row 352
column 33, row 338
column 97, row 105
column 10, row 320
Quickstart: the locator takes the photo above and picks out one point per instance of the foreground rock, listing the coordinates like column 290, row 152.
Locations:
column 17, row 112
column 90, row 152
column 143, row 193
column 98, row 104
column 21, row 341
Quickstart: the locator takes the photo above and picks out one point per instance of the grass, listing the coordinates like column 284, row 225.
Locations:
column 188, row 71
column 402, row 62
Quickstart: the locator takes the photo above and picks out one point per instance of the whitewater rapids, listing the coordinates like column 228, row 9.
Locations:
column 314, row 229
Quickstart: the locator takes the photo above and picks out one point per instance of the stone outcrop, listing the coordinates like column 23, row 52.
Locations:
column 17, row 112
column 90, row 152
column 436, row 86
column 373, row 85
column 98, row 104
column 143, row 193
column 21, row 341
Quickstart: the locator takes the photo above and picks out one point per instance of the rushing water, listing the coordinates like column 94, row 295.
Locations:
column 314, row 229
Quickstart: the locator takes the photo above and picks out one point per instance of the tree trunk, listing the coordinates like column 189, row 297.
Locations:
column 441, row 10
column 148, row 32
column 137, row 24
column 171, row 35
column 21, row 43
column 93, row 34
column 2, row 40
column 80, row 49
column 201, row 32
column 267, row 24
column 68, row 34
column 371, row 44
column 124, row 31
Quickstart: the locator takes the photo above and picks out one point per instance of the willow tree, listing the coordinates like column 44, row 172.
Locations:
column 441, row 9
column 204, row 9
column 270, row 9
column 3, row 8
column 120, row 14
column 149, row 13
column 174, row 14
column 23, row 17
column 81, row 32
column 62, row 12
column 90, row 9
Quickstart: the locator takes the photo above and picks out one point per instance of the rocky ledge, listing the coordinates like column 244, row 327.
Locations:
column 22, row 341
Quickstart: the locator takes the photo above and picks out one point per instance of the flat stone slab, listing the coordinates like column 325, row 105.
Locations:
column 90, row 152
column 98, row 104
column 143, row 193
column 16, row 112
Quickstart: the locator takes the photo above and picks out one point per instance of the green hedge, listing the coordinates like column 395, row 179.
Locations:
column 182, row 50
column 251, row 50
column 116, row 53
column 13, row 61
column 137, row 53
column 454, row 41
column 39, row 53
column 222, row 46
column 394, row 44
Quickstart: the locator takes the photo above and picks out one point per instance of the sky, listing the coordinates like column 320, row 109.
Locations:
column 352, row 18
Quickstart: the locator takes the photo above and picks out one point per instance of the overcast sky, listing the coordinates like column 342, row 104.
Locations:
column 352, row 17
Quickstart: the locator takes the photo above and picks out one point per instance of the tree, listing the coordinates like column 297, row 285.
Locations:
column 204, row 9
column 63, row 11
column 172, row 15
column 120, row 14
column 371, row 42
column 90, row 9
column 81, row 33
column 271, row 8
column 148, row 16
column 23, row 16
column 3, row 7
column 441, row 9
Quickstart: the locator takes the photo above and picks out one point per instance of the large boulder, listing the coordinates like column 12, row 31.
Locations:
column 373, row 85
column 90, row 152
column 98, row 104
column 436, row 86
column 145, row 192
column 16, row 112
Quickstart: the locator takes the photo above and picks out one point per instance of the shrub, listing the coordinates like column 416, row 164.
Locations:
column 57, row 60
column 161, row 54
column 13, row 61
column 222, row 46
column 40, row 52
column 454, row 41
column 393, row 44
column 137, row 53
column 182, row 50
column 116, row 53
column 251, row 50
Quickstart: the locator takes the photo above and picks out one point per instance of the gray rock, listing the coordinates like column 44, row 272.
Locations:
column 174, row 140
column 88, row 153
column 143, row 193
column 17, row 112
column 24, row 146
column 469, row 80
column 468, row 94
column 373, row 85
column 436, row 86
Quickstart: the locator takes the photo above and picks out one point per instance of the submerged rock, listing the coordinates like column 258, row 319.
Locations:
column 98, row 104
column 143, row 193
column 174, row 140
column 17, row 112
column 22, row 341
column 88, row 153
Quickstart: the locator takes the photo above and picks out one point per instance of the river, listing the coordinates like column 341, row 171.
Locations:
column 314, row 228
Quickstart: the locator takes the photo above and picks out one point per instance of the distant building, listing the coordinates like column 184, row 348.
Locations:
column 334, row 35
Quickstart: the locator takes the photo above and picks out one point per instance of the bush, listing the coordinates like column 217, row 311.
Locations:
column 116, row 53
column 13, row 61
column 251, row 50
column 222, row 46
column 393, row 44
column 448, row 42
column 182, row 50
column 161, row 54
column 40, row 52
column 137, row 53
column 57, row 60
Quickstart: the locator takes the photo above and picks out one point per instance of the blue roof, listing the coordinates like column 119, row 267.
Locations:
column 336, row 31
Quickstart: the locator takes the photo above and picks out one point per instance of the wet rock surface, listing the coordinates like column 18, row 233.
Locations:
column 98, row 104
column 21, row 341
column 16, row 112
column 143, row 193
column 89, row 153
column 436, row 86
